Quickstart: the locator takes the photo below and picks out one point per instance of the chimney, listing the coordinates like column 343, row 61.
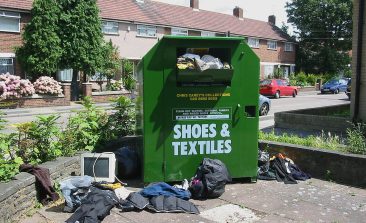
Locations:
column 195, row 5
column 238, row 12
column 272, row 19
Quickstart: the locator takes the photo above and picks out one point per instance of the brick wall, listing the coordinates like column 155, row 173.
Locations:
column 41, row 101
column 18, row 196
column 314, row 119
column 342, row 168
column 274, row 56
column 8, row 41
column 100, row 97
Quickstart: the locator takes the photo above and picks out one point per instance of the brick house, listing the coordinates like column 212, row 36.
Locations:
column 136, row 25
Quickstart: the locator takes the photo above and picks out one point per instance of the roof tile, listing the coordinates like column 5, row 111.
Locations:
column 157, row 13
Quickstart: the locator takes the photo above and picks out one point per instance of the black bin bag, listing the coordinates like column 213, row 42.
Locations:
column 212, row 176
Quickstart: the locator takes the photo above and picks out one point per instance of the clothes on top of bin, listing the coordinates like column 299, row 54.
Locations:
column 194, row 61
column 280, row 168
column 43, row 182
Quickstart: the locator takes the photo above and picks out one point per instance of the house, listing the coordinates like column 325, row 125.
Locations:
column 136, row 25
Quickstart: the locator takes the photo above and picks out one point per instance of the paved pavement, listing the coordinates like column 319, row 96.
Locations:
column 265, row 201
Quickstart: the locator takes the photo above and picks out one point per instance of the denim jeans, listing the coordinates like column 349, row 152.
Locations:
column 74, row 189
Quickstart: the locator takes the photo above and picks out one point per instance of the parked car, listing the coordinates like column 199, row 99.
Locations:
column 348, row 91
column 264, row 105
column 277, row 88
column 334, row 86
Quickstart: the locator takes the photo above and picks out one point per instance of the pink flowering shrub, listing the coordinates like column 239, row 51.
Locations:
column 47, row 85
column 14, row 87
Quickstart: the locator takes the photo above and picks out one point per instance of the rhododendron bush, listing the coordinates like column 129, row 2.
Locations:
column 47, row 85
column 14, row 87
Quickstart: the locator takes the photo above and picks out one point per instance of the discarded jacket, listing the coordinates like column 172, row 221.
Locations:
column 286, row 170
column 264, row 172
column 43, row 182
column 165, row 189
column 283, row 173
column 212, row 175
column 162, row 204
column 74, row 189
column 297, row 173
column 95, row 207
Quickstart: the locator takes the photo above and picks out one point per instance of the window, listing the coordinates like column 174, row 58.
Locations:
column 206, row 33
column 272, row 45
column 268, row 70
column 64, row 75
column 109, row 27
column 280, row 83
column 146, row 31
column 9, row 21
column 98, row 77
column 6, row 65
column 179, row 32
column 253, row 42
column 289, row 47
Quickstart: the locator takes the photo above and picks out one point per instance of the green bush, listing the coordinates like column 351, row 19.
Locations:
column 38, row 140
column 356, row 139
column 327, row 77
column 83, row 130
column 301, row 77
column 42, row 140
column 122, row 122
column 9, row 162
column 128, row 80
column 311, row 79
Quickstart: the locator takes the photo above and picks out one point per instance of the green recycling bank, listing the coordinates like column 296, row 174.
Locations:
column 189, row 114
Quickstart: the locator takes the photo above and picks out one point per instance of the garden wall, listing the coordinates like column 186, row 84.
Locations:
column 314, row 119
column 61, row 100
column 40, row 100
column 18, row 196
column 107, row 96
column 342, row 168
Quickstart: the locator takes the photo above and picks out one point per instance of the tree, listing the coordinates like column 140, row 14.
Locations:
column 111, row 61
column 81, row 38
column 41, row 51
column 324, row 31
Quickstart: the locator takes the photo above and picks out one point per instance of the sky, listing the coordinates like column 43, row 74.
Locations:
column 253, row 9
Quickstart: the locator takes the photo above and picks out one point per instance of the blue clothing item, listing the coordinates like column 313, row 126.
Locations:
column 165, row 189
column 74, row 189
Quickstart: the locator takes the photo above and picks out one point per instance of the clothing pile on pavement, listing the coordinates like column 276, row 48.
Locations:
column 195, row 62
column 91, row 201
column 280, row 168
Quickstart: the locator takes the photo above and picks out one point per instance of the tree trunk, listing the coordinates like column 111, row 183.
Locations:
column 75, row 86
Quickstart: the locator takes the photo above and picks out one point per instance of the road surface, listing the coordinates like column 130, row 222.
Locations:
column 303, row 100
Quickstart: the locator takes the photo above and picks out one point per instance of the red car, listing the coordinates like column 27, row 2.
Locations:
column 277, row 88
